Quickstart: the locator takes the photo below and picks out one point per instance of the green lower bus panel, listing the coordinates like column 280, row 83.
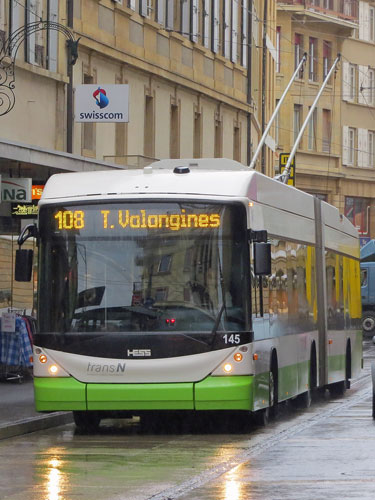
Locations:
column 224, row 393
column 57, row 394
column 178, row 396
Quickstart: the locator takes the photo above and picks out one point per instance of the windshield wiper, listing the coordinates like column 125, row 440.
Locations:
column 217, row 322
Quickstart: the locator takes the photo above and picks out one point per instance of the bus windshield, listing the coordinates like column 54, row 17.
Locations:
column 143, row 267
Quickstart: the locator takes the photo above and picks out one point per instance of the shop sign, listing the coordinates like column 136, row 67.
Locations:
column 25, row 210
column 37, row 191
column 101, row 103
column 16, row 189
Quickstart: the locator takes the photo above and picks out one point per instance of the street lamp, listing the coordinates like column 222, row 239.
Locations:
column 8, row 54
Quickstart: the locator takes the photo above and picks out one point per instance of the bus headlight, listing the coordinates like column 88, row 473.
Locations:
column 53, row 369
column 227, row 368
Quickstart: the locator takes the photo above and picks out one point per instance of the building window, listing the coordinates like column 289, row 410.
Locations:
column 165, row 264
column 313, row 59
column 218, row 145
column 371, row 148
column 175, row 132
column 326, row 140
column 351, row 145
column 352, row 82
column 312, row 131
column 327, row 57
column 149, row 130
column 237, row 143
column 298, row 51
column 372, row 24
column 357, row 211
column 278, row 48
column 197, row 145
column 297, row 116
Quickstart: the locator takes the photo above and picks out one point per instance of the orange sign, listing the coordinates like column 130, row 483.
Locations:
column 37, row 191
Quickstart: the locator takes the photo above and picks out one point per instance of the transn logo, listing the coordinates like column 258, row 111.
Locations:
column 140, row 353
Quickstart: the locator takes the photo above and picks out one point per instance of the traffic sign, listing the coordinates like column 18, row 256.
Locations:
column 283, row 160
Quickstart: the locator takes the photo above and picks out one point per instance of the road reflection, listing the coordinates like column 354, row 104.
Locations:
column 233, row 486
column 55, row 479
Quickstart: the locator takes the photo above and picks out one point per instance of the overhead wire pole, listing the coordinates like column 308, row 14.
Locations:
column 267, row 129
column 284, row 176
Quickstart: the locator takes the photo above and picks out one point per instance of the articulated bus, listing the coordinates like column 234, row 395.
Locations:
column 190, row 285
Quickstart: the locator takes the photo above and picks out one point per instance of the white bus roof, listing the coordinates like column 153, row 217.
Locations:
column 207, row 178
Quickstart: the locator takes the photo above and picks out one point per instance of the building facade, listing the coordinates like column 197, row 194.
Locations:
column 201, row 84
column 334, row 159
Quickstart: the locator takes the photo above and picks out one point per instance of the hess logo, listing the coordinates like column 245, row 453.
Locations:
column 140, row 353
column 101, row 99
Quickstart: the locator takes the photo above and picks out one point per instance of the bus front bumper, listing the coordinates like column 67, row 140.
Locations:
column 212, row 393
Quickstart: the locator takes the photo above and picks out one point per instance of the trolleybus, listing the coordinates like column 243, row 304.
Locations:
column 195, row 285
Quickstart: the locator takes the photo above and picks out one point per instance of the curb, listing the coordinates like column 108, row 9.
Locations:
column 33, row 424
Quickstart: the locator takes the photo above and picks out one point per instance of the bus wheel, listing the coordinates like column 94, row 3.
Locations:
column 337, row 388
column 368, row 323
column 261, row 417
column 304, row 399
column 87, row 421
column 273, row 394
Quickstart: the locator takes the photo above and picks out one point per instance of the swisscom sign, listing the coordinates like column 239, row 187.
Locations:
column 102, row 103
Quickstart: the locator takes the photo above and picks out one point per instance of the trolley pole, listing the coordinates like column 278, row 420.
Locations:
column 274, row 114
column 284, row 177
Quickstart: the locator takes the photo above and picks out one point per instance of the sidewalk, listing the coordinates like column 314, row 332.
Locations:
column 17, row 412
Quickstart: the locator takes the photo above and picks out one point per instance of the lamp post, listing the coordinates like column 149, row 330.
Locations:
column 8, row 54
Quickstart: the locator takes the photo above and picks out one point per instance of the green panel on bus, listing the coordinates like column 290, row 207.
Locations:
column 224, row 393
column 59, row 394
column 178, row 396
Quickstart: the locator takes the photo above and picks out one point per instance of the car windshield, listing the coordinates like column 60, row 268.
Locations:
column 142, row 267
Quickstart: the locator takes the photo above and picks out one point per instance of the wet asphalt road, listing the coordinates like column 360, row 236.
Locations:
column 325, row 452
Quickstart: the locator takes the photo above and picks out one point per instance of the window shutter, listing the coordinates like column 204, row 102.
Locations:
column 360, row 155
column 143, row 8
column 363, row 82
column 345, row 145
column 244, row 33
column 366, row 21
column 365, row 149
column 185, row 17
column 206, row 22
column 234, row 31
column 255, row 25
column 345, row 81
column 170, row 15
column 227, row 29
column 31, row 39
column 215, row 25
column 160, row 14
column 361, row 21
column 194, row 17
column 53, row 35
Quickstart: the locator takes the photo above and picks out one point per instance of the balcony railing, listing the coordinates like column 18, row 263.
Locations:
column 343, row 9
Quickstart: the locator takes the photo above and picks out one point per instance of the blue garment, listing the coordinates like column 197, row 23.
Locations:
column 15, row 348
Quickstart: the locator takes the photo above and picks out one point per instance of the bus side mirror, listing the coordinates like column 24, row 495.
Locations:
column 262, row 259
column 24, row 265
